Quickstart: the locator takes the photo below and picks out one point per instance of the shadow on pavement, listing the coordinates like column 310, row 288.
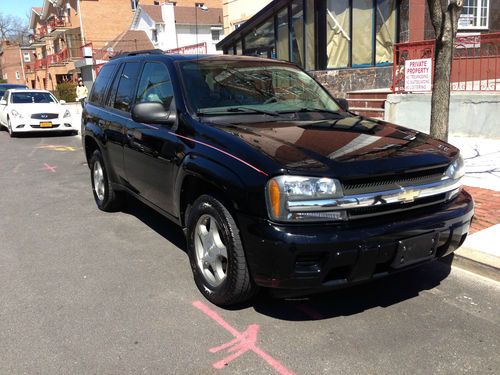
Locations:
column 354, row 300
column 159, row 223
column 52, row 134
column 344, row 302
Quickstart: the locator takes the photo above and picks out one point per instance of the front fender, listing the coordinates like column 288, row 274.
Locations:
column 214, row 174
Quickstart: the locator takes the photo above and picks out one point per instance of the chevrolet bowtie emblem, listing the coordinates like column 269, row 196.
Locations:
column 408, row 195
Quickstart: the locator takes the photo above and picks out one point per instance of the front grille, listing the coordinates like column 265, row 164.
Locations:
column 44, row 116
column 384, row 183
column 382, row 209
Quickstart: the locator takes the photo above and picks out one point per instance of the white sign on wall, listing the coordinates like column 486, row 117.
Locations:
column 418, row 75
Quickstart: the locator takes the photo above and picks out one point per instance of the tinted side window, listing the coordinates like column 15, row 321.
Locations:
column 155, row 84
column 100, row 84
column 125, row 91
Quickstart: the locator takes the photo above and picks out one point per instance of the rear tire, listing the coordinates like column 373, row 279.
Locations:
column 216, row 253
column 106, row 198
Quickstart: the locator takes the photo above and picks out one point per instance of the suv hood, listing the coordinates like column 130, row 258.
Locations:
column 349, row 148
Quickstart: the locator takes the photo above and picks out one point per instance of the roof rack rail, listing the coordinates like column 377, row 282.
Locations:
column 141, row 52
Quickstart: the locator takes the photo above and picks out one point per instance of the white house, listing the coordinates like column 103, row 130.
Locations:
column 170, row 27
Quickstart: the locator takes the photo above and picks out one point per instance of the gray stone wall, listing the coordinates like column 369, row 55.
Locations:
column 340, row 82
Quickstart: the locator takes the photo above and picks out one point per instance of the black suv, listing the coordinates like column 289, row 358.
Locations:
column 274, row 182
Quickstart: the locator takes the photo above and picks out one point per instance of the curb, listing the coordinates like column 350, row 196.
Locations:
column 480, row 263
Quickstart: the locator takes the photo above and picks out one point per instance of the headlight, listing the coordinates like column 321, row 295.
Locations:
column 16, row 114
column 295, row 198
column 456, row 170
column 67, row 113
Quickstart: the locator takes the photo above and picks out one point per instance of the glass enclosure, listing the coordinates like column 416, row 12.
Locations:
column 324, row 34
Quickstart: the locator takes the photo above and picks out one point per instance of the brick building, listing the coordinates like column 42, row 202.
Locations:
column 12, row 60
column 62, row 27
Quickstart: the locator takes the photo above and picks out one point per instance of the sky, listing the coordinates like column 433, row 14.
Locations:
column 19, row 8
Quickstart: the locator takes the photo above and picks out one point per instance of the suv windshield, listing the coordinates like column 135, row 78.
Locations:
column 32, row 97
column 234, row 87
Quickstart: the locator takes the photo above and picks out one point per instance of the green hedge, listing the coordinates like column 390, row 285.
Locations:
column 66, row 91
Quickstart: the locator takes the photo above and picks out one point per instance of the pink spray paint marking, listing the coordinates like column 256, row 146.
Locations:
column 49, row 168
column 242, row 342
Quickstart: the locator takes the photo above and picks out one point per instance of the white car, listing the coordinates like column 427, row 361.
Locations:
column 23, row 110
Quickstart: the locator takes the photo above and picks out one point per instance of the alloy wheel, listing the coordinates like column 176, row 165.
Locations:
column 211, row 253
column 98, row 176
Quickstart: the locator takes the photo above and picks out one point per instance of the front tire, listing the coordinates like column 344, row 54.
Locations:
column 12, row 134
column 106, row 198
column 216, row 254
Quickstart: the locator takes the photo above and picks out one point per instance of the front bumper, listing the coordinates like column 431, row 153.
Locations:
column 310, row 257
column 29, row 125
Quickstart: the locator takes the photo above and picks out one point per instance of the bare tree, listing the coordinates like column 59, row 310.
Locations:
column 444, row 17
column 13, row 29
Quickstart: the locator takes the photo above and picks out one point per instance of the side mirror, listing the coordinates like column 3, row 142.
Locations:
column 344, row 104
column 3, row 102
column 62, row 101
column 153, row 112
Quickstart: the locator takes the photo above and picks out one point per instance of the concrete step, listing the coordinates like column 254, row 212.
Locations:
column 366, row 103
column 368, row 94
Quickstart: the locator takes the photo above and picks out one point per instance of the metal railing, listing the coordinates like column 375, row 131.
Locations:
column 475, row 65
column 56, row 22
column 200, row 48
column 61, row 57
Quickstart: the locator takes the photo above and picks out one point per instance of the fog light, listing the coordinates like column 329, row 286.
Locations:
column 20, row 126
column 67, row 125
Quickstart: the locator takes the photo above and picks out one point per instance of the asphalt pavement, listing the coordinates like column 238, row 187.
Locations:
column 88, row 292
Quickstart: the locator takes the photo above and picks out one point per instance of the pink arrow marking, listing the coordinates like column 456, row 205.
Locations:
column 242, row 342
column 50, row 168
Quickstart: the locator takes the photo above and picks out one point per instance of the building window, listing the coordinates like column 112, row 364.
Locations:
column 156, row 3
column 18, row 76
column 474, row 15
column 133, row 4
column 260, row 42
column 337, row 33
column 26, row 57
column 215, row 35
column 154, row 35
column 239, row 48
column 282, row 41
column 309, row 40
column 362, row 38
column 297, row 32
column 385, row 31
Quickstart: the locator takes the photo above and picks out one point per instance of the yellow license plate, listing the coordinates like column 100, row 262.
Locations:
column 47, row 124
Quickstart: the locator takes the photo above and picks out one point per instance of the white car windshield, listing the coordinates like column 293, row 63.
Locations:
column 32, row 97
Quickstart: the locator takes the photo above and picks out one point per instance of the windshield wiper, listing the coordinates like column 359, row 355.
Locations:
column 242, row 109
column 307, row 109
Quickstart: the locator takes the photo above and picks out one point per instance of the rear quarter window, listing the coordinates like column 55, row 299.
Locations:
column 101, row 83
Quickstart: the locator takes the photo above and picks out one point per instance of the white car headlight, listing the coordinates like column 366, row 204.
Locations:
column 297, row 198
column 16, row 114
column 67, row 114
column 456, row 170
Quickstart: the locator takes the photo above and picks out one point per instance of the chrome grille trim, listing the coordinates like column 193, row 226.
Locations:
column 370, row 187
column 401, row 195
column 44, row 116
